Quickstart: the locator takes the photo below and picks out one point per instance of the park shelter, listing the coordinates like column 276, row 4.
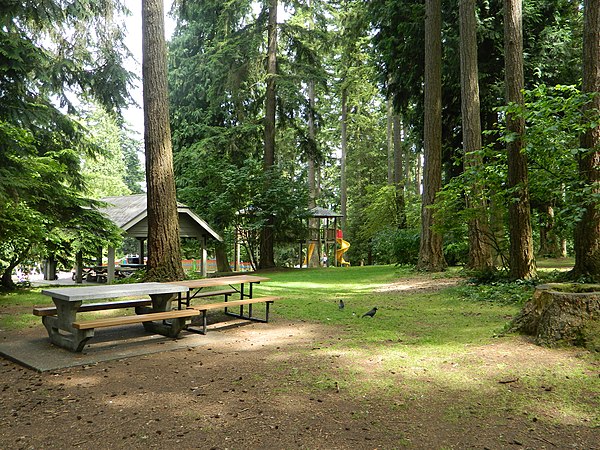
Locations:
column 130, row 213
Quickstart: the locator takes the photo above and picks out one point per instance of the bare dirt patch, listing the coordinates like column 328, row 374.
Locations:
column 286, row 385
column 420, row 284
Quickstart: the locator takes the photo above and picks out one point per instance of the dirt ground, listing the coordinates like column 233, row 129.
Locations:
column 270, row 386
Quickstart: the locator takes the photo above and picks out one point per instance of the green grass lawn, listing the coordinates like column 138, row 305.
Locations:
column 450, row 317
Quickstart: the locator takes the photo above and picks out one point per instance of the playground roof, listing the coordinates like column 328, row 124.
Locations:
column 319, row 212
column 130, row 213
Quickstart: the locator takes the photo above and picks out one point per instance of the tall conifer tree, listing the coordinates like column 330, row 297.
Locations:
column 587, row 232
column 480, row 255
column 431, row 256
column 164, row 251
column 522, row 263
column 267, row 257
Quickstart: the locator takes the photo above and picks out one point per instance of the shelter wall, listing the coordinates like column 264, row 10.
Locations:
column 187, row 228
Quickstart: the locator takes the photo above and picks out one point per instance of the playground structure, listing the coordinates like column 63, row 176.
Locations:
column 325, row 238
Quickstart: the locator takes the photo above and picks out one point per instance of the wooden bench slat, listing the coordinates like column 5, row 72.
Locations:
column 229, row 304
column 226, row 305
column 51, row 310
column 125, row 320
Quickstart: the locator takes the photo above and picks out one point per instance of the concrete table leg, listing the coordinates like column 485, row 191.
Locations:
column 60, row 327
column 170, row 328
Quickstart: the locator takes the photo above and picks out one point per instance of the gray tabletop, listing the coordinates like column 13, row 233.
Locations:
column 74, row 294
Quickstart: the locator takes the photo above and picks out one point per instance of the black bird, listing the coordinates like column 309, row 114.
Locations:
column 341, row 305
column 370, row 313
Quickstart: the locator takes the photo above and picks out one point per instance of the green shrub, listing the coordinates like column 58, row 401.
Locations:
column 500, row 292
column 406, row 246
column 456, row 249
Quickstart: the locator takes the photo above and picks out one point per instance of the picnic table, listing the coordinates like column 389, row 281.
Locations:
column 236, row 285
column 197, row 288
column 154, row 312
column 99, row 274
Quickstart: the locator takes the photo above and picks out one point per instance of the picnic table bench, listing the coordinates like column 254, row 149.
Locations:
column 66, row 331
column 228, row 304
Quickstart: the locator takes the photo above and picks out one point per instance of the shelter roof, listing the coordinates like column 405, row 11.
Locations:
column 319, row 212
column 128, row 211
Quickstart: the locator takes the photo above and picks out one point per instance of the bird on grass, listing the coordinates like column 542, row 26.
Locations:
column 341, row 304
column 370, row 313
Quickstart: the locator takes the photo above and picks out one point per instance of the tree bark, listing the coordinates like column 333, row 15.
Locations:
column 522, row 263
column 398, row 172
column 222, row 258
column 164, row 250
column 587, row 231
column 480, row 253
column 550, row 242
column 431, row 256
column 315, row 259
column 267, row 239
column 390, row 142
column 418, row 173
column 344, row 149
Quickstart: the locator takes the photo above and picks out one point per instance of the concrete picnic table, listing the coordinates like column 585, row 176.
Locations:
column 62, row 331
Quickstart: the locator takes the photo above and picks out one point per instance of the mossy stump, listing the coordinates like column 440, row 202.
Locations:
column 562, row 313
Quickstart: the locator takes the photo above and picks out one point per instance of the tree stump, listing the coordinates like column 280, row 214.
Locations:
column 562, row 313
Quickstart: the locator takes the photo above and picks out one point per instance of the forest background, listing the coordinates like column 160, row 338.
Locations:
column 352, row 129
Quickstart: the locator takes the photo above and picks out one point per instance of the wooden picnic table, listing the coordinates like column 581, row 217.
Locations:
column 236, row 285
column 66, row 331
column 99, row 274
column 196, row 287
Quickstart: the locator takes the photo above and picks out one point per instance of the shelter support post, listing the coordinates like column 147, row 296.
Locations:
column 110, row 269
column 237, row 253
column 141, row 252
column 204, row 258
column 79, row 267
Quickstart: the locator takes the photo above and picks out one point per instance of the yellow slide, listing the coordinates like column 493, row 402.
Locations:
column 311, row 249
column 339, row 253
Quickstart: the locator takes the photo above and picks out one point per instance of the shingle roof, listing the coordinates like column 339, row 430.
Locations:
column 322, row 212
column 123, row 210
column 129, row 210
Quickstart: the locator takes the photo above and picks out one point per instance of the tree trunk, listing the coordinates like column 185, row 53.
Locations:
column 587, row 231
column 562, row 313
column 390, row 142
column 522, row 263
column 431, row 256
column 480, row 253
column 7, row 281
column 407, row 163
column 550, row 243
column 418, row 172
column 315, row 259
column 344, row 148
column 221, row 257
column 497, row 210
column 399, row 171
column 267, row 239
column 164, row 250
